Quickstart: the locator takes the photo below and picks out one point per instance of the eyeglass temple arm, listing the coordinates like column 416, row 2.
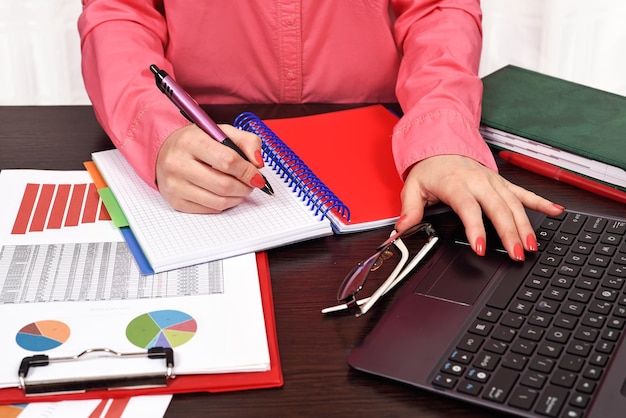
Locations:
column 391, row 282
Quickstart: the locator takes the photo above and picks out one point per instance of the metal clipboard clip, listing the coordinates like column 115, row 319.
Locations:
column 124, row 379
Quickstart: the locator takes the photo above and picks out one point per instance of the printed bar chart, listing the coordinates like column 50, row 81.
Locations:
column 53, row 206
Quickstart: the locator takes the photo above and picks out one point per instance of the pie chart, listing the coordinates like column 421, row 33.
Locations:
column 11, row 411
column 42, row 335
column 166, row 328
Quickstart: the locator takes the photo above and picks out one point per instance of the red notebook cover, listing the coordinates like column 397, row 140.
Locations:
column 192, row 383
column 350, row 152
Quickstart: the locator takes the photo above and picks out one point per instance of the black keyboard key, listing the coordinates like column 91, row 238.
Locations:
column 487, row 361
column 500, row 385
column 444, row 381
column 558, row 335
column 595, row 224
column 541, row 364
column 523, row 398
column 565, row 321
column 461, row 357
column 587, row 334
column 579, row 401
column 550, row 349
column 504, row 334
column 571, row 363
column 586, row 386
column 490, row 314
column 469, row 388
column 515, row 361
column 592, row 372
column 497, row 347
column 476, row 375
column 617, row 227
column 574, row 223
column 579, row 348
column 513, row 320
column 563, row 378
column 470, row 343
column 551, row 401
column 523, row 347
column 534, row 379
column 481, row 328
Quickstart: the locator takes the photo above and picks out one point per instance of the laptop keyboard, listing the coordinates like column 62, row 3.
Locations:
column 542, row 342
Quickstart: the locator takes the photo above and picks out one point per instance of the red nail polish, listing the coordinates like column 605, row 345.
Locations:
column 399, row 221
column 259, row 158
column 561, row 208
column 480, row 246
column 531, row 242
column 518, row 252
column 258, row 181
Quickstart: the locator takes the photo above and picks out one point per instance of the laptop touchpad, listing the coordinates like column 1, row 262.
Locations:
column 460, row 275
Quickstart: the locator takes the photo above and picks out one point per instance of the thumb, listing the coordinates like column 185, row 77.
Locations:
column 412, row 210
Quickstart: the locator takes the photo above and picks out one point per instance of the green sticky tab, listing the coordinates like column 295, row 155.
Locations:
column 118, row 217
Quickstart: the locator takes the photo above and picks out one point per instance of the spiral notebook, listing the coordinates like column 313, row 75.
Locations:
column 348, row 152
column 303, row 206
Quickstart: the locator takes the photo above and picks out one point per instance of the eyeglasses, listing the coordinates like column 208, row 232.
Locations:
column 355, row 280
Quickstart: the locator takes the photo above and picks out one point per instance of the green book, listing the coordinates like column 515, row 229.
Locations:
column 570, row 125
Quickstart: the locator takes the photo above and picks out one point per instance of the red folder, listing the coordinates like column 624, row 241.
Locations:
column 191, row 383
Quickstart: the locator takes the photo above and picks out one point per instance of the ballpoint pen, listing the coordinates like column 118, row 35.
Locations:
column 551, row 171
column 194, row 113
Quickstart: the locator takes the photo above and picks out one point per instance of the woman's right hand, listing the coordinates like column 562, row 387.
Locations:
column 197, row 174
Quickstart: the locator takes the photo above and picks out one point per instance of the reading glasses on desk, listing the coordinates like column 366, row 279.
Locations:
column 355, row 280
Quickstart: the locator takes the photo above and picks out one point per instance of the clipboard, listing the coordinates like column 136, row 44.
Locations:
column 213, row 383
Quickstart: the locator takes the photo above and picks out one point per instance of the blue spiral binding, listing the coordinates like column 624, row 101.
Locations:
column 292, row 170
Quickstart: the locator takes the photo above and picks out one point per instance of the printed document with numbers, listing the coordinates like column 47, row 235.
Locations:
column 69, row 283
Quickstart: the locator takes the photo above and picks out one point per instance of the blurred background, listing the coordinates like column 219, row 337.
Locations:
column 578, row 40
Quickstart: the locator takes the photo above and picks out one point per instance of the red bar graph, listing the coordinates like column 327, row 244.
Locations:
column 58, row 209
column 54, row 206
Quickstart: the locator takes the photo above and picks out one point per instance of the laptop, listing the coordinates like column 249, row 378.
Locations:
column 533, row 339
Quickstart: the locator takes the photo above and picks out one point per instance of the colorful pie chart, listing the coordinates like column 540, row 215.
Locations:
column 11, row 411
column 42, row 335
column 166, row 328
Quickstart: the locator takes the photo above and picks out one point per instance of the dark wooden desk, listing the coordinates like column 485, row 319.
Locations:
column 313, row 348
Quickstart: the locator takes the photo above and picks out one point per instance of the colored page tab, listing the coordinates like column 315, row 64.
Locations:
column 140, row 258
column 118, row 217
column 93, row 171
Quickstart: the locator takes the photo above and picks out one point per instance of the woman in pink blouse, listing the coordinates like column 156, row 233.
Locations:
column 422, row 53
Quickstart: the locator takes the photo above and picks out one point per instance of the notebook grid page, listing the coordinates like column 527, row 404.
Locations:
column 163, row 232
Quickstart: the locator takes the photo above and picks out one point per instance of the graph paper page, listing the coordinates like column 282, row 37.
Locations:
column 172, row 239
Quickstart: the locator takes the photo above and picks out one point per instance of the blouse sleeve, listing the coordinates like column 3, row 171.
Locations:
column 438, row 86
column 119, row 41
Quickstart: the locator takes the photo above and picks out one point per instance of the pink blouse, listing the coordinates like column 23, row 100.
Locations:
column 422, row 53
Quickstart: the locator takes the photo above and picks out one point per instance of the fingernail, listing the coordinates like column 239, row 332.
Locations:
column 518, row 252
column 531, row 242
column 480, row 246
column 259, row 158
column 399, row 221
column 258, row 181
column 559, row 207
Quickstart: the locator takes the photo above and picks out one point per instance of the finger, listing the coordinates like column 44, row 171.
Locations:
column 247, row 142
column 536, row 202
column 510, row 220
column 412, row 208
column 227, row 161
column 194, row 199
column 469, row 211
